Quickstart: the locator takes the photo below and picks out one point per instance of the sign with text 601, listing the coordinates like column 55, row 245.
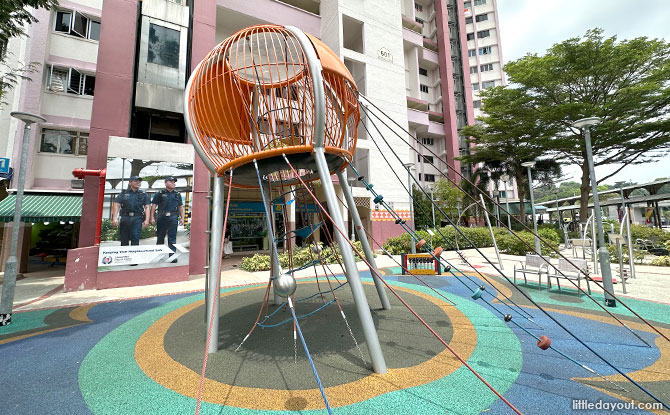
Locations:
column 4, row 165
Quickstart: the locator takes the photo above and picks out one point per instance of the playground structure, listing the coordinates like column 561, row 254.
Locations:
column 271, row 107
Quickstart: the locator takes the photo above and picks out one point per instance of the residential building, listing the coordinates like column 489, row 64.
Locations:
column 107, row 93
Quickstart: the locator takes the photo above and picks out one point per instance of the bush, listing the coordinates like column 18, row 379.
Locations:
column 301, row 256
column 510, row 244
column 638, row 255
column 446, row 238
column 662, row 261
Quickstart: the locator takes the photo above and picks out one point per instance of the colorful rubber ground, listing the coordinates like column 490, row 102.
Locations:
column 144, row 356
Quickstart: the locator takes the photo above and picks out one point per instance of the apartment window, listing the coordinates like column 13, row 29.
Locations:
column 418, row 20
column 70, row 80
column 76, row 24
column 64, row 142
column 483, row 33
column 418, row 7
column 486, row 50
column 473, row 69
column 468, row 20
column 423, row 88
column 471, row 36
column 426, row 159
column 486, row 67
column 482, row 17
column 428, row 141
column 429, row 177
column 423, row 71
column 352, row 33
column 488, row 84
column 467, row 4
column 479, row 2
column 476, row 104
column 475, row 86
column 163, row 46
column 472, row 53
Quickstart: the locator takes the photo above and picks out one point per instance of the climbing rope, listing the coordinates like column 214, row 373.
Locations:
column 411, row 310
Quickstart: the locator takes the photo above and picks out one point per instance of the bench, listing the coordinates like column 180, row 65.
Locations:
column 585, row 244
column 574, row 269
column 534, row 265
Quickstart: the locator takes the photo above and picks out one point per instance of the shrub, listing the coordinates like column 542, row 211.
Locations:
column 301, row 256
column 638, row 255
column 662, row 261
column 510, row 244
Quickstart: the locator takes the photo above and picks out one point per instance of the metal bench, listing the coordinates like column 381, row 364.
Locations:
column 574, row 269
column 534, row 265
column 585, row 245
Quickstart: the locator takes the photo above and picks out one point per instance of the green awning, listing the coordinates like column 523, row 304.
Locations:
column 42, row 208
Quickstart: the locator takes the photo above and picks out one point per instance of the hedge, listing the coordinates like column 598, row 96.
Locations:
column 301, row 256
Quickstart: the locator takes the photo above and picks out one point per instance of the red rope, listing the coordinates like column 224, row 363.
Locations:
column 211, row 317
column 411, row 310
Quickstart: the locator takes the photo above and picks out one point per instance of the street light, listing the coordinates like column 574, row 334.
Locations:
column 11, row 266
column 409, row 166
column 585, row 124
column 529, row 165
column 560, row 219
column 505, row 179
column 496, row 196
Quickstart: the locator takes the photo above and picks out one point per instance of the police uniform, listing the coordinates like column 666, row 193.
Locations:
column 132, row 215
column 168, row 216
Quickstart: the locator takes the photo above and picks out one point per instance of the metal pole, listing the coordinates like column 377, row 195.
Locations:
column 509, row 219
column 532, row 206
column 358, row 225
column 275, row 270
column 629, row 240
column 493, row 237
column 602, row 250
column 362, row 307
column 216, row 238
column 412, row 245
column 12, row 265
column 432, row 206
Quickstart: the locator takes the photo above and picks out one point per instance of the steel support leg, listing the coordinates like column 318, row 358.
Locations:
column 216, row 235
column 360, row 231
column 275, row 269
column 362, row 307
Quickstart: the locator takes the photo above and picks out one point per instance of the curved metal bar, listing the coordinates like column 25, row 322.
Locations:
column 317, row 85
column 189, row 127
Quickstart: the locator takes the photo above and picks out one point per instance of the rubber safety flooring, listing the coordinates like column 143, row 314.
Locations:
column 145, row 356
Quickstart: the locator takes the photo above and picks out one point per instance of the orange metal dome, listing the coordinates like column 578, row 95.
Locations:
column 253, row 98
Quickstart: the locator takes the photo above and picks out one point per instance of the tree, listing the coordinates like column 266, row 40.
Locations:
column 15, row 15
column 508, row 136
column 422, row 209
column 625, row 83
column 448, row 198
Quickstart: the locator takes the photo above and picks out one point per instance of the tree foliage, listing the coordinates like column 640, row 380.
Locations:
column 625, row 83
column 508, row 136
column 15, row 16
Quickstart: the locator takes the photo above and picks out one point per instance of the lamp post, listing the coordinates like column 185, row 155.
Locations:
column 12, row 265
column 409, row 166
column 529, row 165
column 560, row 219
column 505, row 179
column 432, row 204
column 496, row 196
column 585, row 124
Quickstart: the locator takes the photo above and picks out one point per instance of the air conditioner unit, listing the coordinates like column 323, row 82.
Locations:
column 77, row 184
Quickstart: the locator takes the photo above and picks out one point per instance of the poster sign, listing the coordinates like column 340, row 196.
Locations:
column 4, row 165
column 114, row 256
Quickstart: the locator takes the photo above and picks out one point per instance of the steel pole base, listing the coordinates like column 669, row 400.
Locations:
column 606, row 273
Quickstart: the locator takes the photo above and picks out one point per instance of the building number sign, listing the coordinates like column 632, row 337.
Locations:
column 385, row 54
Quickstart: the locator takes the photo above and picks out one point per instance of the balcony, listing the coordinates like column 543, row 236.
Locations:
column 417, row 104
column 429, row 44
column 412, row 25
column 310, row 6
column 436, row 116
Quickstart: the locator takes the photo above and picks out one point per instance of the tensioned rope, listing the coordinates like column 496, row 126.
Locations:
column 411, row 310
column 507, row 318
column 290, row 302
column 521, row 223
column 217, row 294
column 507, row 278
column 513, row 233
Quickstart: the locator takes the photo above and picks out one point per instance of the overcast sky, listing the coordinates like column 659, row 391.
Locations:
column 533, row 26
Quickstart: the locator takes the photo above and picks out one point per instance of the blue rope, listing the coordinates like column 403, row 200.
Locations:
column 499, row 271
column 311, row 362
column 281, row 323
